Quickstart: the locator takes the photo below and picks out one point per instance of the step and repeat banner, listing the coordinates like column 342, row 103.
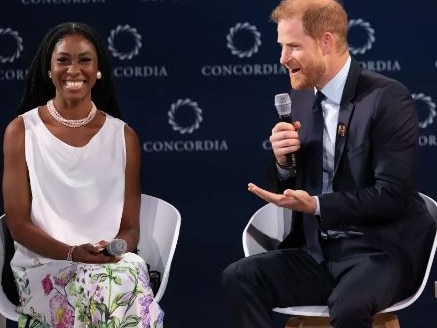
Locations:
column 196, row 79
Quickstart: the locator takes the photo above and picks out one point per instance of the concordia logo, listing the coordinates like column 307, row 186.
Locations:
column 356, row 29
column 244, row 41
column 10, row 40
column 188, row 103
column 185, row 117
column 125, row 36
column 425, row 105
column 370, row 35
column 252, row 31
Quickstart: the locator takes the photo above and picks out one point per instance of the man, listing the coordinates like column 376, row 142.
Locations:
column 361, row 234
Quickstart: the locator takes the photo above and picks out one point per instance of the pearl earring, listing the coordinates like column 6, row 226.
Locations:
column 99, row 75
column 50, row 74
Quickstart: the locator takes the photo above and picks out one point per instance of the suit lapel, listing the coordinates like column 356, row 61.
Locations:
column 346, row 110
column 344, row 116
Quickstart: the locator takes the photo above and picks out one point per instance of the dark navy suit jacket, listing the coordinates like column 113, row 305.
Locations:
column 374, row 184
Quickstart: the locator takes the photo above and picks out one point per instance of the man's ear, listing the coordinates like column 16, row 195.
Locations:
column 327, row 43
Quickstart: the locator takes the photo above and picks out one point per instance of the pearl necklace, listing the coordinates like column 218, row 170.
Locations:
column 71, row 123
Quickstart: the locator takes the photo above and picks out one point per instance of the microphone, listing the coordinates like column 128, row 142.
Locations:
column 116, row 247
column 283, row 106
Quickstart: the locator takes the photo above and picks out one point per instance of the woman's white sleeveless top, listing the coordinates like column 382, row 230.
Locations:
column 77, row 192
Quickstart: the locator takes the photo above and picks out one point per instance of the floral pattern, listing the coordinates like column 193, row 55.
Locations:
column 64, row 294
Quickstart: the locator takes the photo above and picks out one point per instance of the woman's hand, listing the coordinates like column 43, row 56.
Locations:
column 88, row 253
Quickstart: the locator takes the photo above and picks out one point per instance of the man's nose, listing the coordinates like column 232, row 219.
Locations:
column 285, row 57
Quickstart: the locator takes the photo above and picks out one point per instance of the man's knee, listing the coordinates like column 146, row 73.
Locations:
column 347, row 310
column 229, row 275
column 235, row 272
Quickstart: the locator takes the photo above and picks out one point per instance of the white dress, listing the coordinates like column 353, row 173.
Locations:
column 77, row 197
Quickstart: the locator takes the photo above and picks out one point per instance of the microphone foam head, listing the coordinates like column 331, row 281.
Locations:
column 283, row 104
column 117, row 247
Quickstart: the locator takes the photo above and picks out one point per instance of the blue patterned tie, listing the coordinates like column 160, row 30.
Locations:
column 310, row 225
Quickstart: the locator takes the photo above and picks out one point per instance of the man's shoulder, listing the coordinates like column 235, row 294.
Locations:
column 369, row 80
column 371, row 75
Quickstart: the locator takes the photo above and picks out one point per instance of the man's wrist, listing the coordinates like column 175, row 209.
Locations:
column 286, row 168
column 283, row 166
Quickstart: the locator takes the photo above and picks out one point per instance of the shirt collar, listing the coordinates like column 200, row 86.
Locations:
column 333, row 90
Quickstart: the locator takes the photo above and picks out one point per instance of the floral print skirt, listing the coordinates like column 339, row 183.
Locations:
column 64, row 294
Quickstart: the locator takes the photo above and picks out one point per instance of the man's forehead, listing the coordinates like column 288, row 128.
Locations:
column 289, row 29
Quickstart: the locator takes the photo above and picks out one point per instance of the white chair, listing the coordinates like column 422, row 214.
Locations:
column 160, row 224
column 7, row 309
column 270, row 224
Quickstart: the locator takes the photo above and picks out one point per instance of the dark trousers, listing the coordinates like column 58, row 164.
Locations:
column 355, row 282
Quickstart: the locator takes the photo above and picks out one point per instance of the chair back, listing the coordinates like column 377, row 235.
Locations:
column 266, row 228
column 7, row 308
column 431, row 205
column 159, row 232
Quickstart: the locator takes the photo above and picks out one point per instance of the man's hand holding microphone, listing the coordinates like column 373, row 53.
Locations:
column 285, row 144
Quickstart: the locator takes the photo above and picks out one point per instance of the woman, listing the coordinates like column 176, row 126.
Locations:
column 71, row 184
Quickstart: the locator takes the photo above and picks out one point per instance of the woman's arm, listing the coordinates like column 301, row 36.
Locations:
column 130, row 222
column 17, row 197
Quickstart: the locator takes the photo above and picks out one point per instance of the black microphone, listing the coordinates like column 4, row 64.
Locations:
column 116, row 247
column 283, row 106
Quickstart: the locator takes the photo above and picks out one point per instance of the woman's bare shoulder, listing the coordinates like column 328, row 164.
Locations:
column 14, row 129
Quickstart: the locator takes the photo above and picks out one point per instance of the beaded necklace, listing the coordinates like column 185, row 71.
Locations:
column 71, row 123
